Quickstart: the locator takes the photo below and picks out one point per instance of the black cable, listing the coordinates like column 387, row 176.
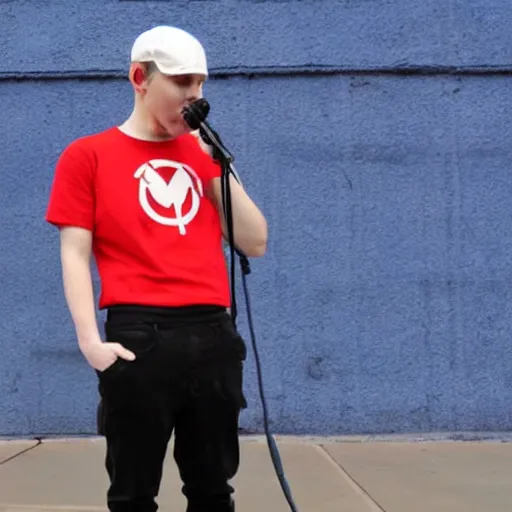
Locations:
column 274, row 451
column 245, row 268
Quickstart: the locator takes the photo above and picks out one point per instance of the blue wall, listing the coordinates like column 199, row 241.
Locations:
column 376, row 138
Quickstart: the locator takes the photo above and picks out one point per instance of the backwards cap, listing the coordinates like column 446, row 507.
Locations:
column 174, row 51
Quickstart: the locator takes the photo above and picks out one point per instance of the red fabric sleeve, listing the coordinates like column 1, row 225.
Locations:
column 72, row 198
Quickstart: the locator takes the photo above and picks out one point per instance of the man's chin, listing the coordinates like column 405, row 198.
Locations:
column 178, row 130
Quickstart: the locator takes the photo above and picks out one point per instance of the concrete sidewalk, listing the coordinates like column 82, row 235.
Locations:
column 325, row 475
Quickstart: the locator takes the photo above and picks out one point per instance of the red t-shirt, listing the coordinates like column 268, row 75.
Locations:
column 157, row 239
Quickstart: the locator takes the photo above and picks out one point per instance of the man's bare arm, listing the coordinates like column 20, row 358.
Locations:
column 76, row 250
column 249, row 224
column 250, row 231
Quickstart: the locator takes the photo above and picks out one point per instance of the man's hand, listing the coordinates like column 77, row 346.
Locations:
column 101, row 355
column 205, row 147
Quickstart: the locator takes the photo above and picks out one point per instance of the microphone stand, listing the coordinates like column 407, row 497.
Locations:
column 225, row 158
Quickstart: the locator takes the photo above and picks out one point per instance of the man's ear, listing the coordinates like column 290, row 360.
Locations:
column 138, row 77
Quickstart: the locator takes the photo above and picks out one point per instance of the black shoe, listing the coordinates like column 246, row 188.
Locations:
column 211, row 506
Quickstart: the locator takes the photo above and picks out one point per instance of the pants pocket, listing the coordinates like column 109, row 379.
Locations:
column 139, row 339
column 230, row 337
column 116, row 367
column 234, row 385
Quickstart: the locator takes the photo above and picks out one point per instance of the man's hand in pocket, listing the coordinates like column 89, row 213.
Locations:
column 100, row 355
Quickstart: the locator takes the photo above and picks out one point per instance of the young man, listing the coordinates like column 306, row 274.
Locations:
column 145, row 199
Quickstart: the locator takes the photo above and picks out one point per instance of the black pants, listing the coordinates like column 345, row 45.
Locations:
column 187, row 378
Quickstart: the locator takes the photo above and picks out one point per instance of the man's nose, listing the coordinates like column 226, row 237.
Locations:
column 195, row 92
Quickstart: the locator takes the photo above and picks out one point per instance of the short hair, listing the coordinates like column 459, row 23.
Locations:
column 150, row 68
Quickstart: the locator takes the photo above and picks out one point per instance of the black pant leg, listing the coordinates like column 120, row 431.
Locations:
column 206, row 446
column 136, row 420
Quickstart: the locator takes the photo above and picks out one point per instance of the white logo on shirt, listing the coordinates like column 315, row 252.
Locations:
column 169, row 194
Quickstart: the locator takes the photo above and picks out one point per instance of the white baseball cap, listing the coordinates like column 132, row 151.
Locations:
column 174, row 51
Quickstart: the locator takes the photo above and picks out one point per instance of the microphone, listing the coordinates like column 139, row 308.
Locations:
column 196, row 113
column 195, row 116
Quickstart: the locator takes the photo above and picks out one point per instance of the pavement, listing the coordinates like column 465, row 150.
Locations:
column 354, row 474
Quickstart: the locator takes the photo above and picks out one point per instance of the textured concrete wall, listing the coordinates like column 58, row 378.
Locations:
column 376, row 138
